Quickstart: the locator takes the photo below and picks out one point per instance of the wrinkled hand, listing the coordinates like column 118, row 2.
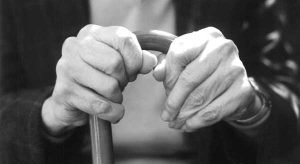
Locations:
column 94, row 69
column 205, row 81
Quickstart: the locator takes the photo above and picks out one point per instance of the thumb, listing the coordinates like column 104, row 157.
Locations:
column 149, row 61
column 159, row 71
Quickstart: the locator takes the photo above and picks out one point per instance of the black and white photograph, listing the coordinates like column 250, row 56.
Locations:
column 149, row 81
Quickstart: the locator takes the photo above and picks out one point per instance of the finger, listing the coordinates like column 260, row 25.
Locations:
column 104, row 58
column 200, row 97
column 207, row 92
column 209, row 116
column 208, row 63
column 99, row 82
column 122, row 40
column 93, row 104
column 226, row 104
column 184, row 50
column 73, row 67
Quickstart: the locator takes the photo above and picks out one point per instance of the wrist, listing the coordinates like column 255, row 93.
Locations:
column 253, row 108
column 257, row 112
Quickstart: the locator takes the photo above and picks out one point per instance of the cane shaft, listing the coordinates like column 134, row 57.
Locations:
column 101, row 140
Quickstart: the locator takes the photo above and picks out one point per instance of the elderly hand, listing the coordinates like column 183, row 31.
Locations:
column 94, row 68
column 205, row 81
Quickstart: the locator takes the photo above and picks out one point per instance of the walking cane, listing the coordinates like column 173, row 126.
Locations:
column 101, row 135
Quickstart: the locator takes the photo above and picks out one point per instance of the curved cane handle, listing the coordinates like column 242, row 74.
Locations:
column 155, row 40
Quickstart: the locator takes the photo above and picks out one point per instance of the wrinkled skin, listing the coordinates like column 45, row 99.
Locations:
column 205, row 80
column 94, row 69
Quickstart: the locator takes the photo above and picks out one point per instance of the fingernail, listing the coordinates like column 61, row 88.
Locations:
column 149, row 62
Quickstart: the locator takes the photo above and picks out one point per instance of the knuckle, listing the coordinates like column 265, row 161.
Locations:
column 85, row 41
column 127, row 41
column 236, row 77
column 171, row 105
column 179, row 41
column 88, row 27
column 216, row 33
column 86, row 30
column 195, row 100
column 126, row 38
column 212, row 115
column 68, row 45
column 69, row 41
column 127, row 45
column 115, row 65
column 231, row 47
column 66, row 69
column 62, row 92
column 239, row 71
column 227, row 43
column 181, row 51
column 62, row 66
column 177, row 49
column 120, row 31
column 113, row 87
column 227, row 50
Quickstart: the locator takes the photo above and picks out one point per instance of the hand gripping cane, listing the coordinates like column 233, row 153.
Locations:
column 101, row 135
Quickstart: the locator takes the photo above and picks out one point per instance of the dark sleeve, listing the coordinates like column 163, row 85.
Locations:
column 271, row 58
column 21, row 129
